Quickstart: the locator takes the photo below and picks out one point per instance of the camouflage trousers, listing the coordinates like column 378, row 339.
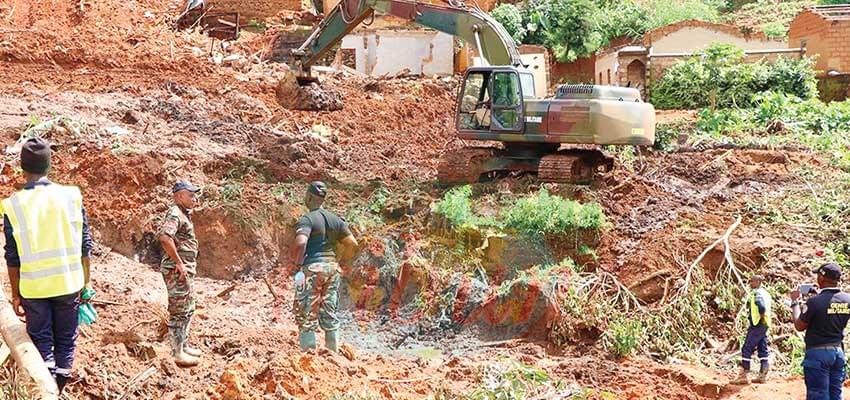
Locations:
column 181, row 298
column 316, row 302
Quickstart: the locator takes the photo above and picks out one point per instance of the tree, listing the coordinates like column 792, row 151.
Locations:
column 564, row 26
column 509, row 16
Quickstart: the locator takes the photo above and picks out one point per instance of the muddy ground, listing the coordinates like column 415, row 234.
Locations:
column 131, row 106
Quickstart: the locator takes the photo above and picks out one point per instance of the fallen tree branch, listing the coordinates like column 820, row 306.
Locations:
column 723, row 239
column 134, row 383
column 25, row 353
column 271, row 288
column 384, row 380
column 227, row 291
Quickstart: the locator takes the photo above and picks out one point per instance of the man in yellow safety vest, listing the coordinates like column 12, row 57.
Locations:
column 47, row 255
column 759, row 304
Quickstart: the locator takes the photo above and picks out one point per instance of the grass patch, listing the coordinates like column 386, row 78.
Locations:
column 543, row 213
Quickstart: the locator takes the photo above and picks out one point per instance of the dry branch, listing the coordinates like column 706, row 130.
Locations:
column 723, row 239
column 271, row 288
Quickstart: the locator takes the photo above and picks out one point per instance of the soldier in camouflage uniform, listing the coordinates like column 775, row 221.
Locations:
column 179, row 261
column 317, row 281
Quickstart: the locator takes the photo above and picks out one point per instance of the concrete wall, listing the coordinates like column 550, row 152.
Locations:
column 390, row 52
column 692, row 39
column 537, row 60
column 255, row 8
column 827, row 41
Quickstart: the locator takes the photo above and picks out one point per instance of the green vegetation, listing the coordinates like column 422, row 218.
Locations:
column 798, row 351
column 547, row 273
column 536, row 214
column 578, row 28
column 623, row 336
column 780, row 119
column 357, row 395
column 510, row 17
column 769, row 16
column 456, row 207
column 543, row 213
column 512, row 380
column 721, row 71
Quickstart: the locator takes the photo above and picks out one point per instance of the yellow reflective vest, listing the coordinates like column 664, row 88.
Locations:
column 47, row 224
column 755, row 316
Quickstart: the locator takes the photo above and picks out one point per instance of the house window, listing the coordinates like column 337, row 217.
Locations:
column 600, row 78
column 609, row 76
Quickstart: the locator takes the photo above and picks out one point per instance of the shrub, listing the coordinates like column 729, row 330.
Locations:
column 509, row 16
column 721, row 71
column 543, row 213
column 624, row 336
column 769, row 16
column 456, row 207
column 666, row 12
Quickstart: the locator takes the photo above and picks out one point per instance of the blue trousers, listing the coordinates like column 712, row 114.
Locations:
column 52, row 326
column 756, row 340
column 824, row 371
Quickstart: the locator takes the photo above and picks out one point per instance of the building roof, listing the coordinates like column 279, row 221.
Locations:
column 633, row 50
column 832, row 13
column 663, row 31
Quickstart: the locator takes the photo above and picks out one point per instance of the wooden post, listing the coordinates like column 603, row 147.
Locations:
column 24, row 352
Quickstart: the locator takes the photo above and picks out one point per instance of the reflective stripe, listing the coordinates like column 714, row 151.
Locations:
column 746, row 359
column 45, row 273
column 50, row 364
column 22, row 221
column 27, row 255
column 63, row 371
column 48, row 254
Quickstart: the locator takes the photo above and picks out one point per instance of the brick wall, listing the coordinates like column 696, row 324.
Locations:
column 578, row 71
column 827, row 40
column 255, row 8
column 839, row 46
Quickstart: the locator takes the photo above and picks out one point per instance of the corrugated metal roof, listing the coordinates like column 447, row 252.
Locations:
column 832, row 13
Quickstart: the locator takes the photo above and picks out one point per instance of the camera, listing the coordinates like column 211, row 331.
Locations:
column 807, row 288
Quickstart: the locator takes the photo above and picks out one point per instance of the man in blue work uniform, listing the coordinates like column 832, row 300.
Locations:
column 759, row 307
column 47, row 255
column 824, row 318
column 319, row 236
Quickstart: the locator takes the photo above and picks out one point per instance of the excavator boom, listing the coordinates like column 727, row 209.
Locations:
column 472, row 25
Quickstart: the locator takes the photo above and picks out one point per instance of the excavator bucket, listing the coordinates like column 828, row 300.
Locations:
column 296, row 94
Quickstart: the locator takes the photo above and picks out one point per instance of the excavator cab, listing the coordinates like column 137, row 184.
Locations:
column 492, row 100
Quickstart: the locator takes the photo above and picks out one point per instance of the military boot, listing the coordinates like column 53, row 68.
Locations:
column 331, row 341
column 762, row 378
column 186, row 348
column 742, row 378
column 307, row 340
column 181, row 358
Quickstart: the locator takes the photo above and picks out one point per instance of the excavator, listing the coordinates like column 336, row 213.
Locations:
column 498, row 101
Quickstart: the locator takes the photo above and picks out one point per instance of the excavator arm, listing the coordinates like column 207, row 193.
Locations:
column 472, row 25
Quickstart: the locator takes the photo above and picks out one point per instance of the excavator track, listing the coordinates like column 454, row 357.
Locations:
column 572, row 166
column 464, row 165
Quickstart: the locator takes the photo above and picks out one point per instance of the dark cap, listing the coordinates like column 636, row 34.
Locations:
column 830, row 271
column 317, row 188
column 35, row 156
column 184, row 185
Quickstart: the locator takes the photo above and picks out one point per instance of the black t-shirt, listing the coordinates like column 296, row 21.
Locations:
column 324, row 230
column 827, row 315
